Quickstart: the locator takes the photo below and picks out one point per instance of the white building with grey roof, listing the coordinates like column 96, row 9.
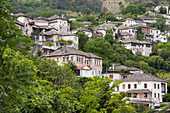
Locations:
column 144, row 88
column 87, row 63
column 135, row 45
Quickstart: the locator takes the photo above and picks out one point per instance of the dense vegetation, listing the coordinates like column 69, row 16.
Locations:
column 35, row 8
column 31, row 84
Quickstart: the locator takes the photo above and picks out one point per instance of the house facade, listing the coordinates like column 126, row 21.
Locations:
column 84, row 61
column 53, row 36
column 135, row 45
column 60, row 23
column 143, row 88
column 101, row 29
column 131, row 31
column 131, row 22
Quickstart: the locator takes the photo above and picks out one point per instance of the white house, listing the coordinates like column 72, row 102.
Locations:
column 167, row 22
column 87, row 63
column 119, row 16
column 162, row 38
column 131, row 22
column 22, row 17
column 143, row 88
column 53, row 36
column 149, row 20
column 101, row 29
column 60, row 23
column 168, row 33
column 86, row 31
column 85, row 71
column 130, row 30
column 135, row 45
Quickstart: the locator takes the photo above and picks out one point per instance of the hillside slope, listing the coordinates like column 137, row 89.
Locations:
column 35, row 8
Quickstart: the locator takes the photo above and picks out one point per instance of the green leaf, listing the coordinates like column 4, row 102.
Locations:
column 24, row 75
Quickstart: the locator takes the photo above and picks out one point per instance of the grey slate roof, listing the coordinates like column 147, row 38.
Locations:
column 41, row 18
column 126, row 34
column 142, row 77
column 119, row 67
column 54, row 32
column 105, row 27
column 81, row 28
column 71, row 51
column 21, row 14
column 139, row 91
column 133, row 40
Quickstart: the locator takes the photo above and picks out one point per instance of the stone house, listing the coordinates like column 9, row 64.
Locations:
column 135, row 45
column 84, row 61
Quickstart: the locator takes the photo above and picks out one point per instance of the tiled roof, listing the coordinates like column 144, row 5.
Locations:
column 41, row 18
column 21, row 14
column 54, row 32
column 133, row 40
column 81, row 67
column 56, row 17
column 40, row 21
column 119, row 15
column 126, row 34
column 119, row 67
column 19, row 23
column 142, row 77
column 139, row 91
column 130, row 19
column 71, row 51
column 81, row 28
column 105, row 26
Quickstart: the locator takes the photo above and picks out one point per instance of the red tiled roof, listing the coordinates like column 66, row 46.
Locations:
column 81, row 67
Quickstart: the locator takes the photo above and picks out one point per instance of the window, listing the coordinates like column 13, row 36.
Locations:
column 129, row 94
column 92, row 72
column 71, row 58
column 155, row 95
column 135, row 86
column 111, row 76
column 154, row 86
column 158, row 95
column 75, row 38
column 95, row 61
column 84, row 61
column 67, row 58
column 63, row 59
column 81, row 60
column 129, row 86
column 77, row 59
column 87, row 62
column 99, row 72
column 123, row 86
column 129, row 31
column 158, row 86
column 57, row 59
column 145, row 95
column 145, row 85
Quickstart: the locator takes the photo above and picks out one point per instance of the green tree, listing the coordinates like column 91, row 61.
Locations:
column 83, row 38
column 163, row 10
column 109, row 37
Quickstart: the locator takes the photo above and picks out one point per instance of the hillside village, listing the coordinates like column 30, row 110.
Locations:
column 126, row 51
column 55, row 30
